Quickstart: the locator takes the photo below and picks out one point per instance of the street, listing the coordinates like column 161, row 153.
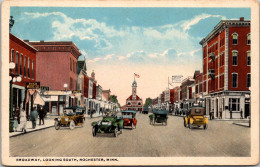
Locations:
column 221, row 139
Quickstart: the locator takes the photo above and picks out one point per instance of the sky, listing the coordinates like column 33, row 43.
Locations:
column 155, row 43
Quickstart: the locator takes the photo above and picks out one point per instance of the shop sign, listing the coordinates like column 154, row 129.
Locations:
column 45, row 88
column 76, row 91
column 32, row 85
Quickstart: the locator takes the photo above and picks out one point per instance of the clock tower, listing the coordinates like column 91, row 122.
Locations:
column 134, row 86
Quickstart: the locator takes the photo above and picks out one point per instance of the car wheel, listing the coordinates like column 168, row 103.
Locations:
column 115, row 132
column 57, row 125
column 83, row 122
column 72, row 125
column 94, row 133
column 205, row 126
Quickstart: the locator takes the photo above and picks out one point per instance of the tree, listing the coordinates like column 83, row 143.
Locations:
column 148, row 101
column 113, row 99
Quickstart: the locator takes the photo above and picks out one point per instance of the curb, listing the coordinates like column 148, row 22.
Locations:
column 241, row 125
column 22, row 133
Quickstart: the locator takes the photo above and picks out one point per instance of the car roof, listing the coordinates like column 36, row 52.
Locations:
column 160, row 112
column 75, row 107
column 129, row 111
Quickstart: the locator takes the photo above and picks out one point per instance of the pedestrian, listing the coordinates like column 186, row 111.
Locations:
column 210, row 115
column 23, row 119
column 33, row 117
column 16, row 119
column 41, row 115
column 220, row 117
column 17, row 114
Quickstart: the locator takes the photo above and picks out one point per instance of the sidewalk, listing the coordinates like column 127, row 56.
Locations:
column 48, row 122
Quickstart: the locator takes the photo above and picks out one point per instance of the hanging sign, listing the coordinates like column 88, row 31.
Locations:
column 32, row 85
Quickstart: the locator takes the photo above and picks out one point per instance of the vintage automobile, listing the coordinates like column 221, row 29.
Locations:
column 72, row 116
column 109, row 124
column 145, row 110
column 196, row 117
column 159, row 116
column 129, row 118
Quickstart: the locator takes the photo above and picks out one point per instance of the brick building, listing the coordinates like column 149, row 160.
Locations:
column 56, row 66
column 24, row 57
column 226, row 69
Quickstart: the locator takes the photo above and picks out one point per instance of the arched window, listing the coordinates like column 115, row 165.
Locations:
column 129, row 103
column 248, row 39
column 235, row 38
column 234, row 57
column 139, row 103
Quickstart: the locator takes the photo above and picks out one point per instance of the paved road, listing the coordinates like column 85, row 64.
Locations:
column 220, row 139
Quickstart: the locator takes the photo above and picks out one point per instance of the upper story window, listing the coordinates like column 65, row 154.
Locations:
column 32, row 69
column 21, row 64
column 248, row 83
column 25, row 60
column 234, row 80
column 248, row 39
column 234, row 58
column 70, row 65
column 235, row 38
column 28, row 66
column 12, row 55
column 16, row 62
column 248, row 58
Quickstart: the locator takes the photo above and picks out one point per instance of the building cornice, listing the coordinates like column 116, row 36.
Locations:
column 222, row 25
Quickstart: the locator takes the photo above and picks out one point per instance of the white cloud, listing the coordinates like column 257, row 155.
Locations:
column 109, row 56
column 94, row 60
column 188, row 23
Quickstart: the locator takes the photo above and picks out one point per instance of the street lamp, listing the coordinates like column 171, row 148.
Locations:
column 12, row 78
column 65, row 87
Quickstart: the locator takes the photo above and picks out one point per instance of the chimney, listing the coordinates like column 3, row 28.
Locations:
column 241, row 19
column 26, row 40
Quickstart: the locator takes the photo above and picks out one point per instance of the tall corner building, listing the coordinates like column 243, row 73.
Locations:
column 226, row 69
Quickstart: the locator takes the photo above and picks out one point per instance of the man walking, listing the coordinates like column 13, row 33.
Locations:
column 33, row 117
column 41, row 115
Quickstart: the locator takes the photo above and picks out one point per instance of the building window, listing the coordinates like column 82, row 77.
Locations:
column 12, row 55
column 71, row 83
column 234, row 104
column 25, row 60
column 235, row 38
column 16, row 62
column 21, row 64
column 234, row 80
column 248, row 83
column 234, row 58
column 28, row 66
column 32, row 69
column 248, row 39
column 248, row 58
column 70, row 65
